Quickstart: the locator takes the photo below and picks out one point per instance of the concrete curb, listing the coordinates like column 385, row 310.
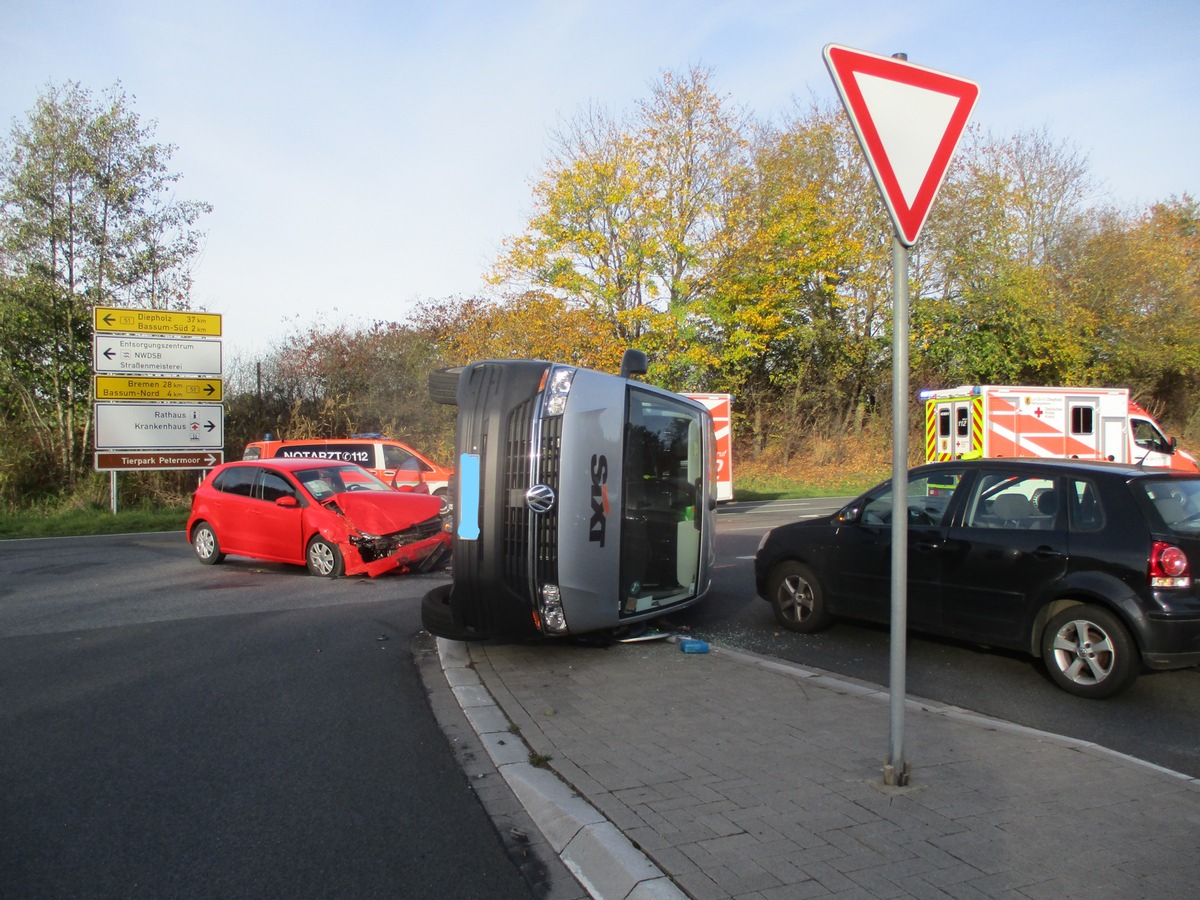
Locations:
column 604, row 861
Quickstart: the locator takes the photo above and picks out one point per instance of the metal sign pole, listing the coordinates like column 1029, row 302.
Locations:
column 895, row 128
column 896, row 769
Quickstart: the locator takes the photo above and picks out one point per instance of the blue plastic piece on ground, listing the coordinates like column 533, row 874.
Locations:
column 691, row 645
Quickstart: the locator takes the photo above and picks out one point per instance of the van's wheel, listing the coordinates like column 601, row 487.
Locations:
column 797, row 598
column 1089, row 652
column 443, row 385
column 324, row 558
column 438, row 619
column 204, row 542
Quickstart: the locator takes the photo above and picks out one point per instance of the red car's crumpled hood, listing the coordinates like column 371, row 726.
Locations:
column 386, row 512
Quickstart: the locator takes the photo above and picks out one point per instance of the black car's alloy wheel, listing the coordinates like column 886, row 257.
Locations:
column 1089, row 653
column 797, row 599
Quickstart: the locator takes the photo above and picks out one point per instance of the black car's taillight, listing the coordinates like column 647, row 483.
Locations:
column 1169, row 567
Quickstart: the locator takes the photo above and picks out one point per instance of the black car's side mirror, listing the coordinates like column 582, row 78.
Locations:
column 850, row 515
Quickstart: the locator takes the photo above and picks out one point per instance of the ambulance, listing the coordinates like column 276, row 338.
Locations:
column 721, row 408
column 1064, row 422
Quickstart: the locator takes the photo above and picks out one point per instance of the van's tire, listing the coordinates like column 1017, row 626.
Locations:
column 438, row 619
column 443, row 385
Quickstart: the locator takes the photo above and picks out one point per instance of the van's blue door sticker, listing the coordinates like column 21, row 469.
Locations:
column 468, row 497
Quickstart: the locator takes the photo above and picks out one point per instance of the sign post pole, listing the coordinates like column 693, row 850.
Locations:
column 896, row 768
column 908, row 121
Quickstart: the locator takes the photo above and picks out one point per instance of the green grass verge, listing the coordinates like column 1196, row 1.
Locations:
column 34, row 523
column 74, row 522
column 766, row 487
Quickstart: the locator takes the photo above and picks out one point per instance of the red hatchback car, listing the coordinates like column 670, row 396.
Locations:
column 336, row 518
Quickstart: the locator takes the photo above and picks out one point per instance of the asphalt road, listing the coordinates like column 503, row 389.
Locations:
column 173, row 730
column 1157, row 720
column 246, row 730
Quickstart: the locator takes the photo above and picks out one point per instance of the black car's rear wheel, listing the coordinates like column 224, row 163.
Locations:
column 1089, row 652
column 797, row 598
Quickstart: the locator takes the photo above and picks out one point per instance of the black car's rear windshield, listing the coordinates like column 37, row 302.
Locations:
column 1176, row 501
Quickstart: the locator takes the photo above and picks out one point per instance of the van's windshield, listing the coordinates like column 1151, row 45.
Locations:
column 663, row 502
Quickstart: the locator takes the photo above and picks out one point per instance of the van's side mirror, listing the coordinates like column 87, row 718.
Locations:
column 634, row 362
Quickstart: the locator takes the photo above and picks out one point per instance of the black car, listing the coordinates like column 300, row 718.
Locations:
column 1086, row 564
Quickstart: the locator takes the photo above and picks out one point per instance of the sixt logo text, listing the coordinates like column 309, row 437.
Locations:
column 599, row 520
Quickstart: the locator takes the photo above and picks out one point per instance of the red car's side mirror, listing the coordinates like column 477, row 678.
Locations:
column 288, row 502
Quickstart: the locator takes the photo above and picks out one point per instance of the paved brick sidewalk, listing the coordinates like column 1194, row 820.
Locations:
column 742, row 777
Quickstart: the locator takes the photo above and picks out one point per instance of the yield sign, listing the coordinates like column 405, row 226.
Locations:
column 909, row 120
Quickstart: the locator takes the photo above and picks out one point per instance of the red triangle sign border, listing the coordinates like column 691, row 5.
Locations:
column 845, row 66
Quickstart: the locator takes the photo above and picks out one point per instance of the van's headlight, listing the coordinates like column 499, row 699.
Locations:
column 554, row 620
column 557, row 387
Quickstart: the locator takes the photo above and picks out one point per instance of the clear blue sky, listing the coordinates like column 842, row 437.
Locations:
column 362, row 155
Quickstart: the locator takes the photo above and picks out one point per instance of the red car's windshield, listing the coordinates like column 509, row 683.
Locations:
column 327, row 481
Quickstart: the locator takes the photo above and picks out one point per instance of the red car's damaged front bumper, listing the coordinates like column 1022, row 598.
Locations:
column 378, row 556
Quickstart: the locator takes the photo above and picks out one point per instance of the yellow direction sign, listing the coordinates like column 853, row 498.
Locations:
column 157, row 321
column 131, row 387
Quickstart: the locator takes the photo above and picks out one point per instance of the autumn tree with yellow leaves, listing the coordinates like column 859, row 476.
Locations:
column 755, row 258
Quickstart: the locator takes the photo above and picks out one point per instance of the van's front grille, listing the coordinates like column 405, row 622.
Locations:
column 531, row 539
column 517, row 445
column 545, row 529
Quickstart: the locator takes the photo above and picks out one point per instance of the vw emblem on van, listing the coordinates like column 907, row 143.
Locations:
column 540, row 498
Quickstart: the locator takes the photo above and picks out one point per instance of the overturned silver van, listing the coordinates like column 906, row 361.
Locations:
column 583, row 501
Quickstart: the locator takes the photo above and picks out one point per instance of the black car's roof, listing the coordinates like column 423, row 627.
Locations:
column 1094, row 466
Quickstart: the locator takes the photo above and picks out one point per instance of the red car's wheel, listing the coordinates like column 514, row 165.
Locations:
column 204, row 542
column 324, row 558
